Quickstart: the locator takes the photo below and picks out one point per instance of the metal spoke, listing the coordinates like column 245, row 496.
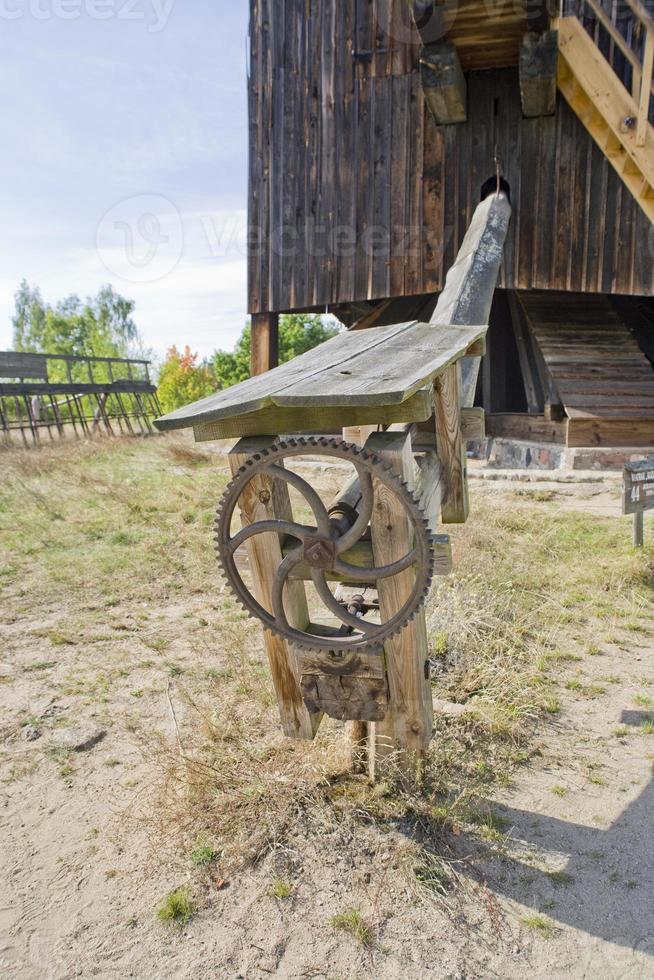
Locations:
column 279, row 581
column 307, row 491
column 367, row 500
column 298, row 531
column 325, row 594
column 375, row 573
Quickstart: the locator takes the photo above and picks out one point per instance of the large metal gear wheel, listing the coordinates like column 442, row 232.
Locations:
column 323, row 545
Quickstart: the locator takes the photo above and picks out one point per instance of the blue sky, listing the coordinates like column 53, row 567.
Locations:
column 124, row 160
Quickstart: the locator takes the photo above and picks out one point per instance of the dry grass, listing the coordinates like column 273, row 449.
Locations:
column 115, row 540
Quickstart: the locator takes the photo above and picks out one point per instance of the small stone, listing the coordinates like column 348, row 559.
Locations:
column 79, row 739
column 30, row 733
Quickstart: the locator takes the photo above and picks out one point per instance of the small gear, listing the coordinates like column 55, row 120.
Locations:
column 324, row 546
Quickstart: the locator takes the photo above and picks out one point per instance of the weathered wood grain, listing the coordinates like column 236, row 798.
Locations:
column 406, row 731
column 429, row 487
column 443, row 83
column 595, row 362
column 538, row 58
column 264, row 499
column 451, row 447
column 380, row 367
column 289, row 420
column 348, row 688
column 340, row 174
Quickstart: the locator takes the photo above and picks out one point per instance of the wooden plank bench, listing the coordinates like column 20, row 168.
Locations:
column 370, row 377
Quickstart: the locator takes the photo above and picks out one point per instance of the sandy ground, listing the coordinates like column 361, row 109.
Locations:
column 82, row 869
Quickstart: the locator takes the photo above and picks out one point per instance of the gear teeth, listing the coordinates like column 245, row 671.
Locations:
column 343, row 450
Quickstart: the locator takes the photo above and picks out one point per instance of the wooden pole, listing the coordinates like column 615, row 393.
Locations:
column 639, row 529
column 265, row 499
column 451, row 447
column 264, row 351
column 401, row 740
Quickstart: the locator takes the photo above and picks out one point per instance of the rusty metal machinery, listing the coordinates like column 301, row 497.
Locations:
column 323, row 551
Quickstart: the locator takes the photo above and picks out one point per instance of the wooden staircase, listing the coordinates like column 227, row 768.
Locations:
column 618, row 120
column 601, row 377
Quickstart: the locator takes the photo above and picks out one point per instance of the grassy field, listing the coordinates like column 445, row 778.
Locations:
column 114, row 612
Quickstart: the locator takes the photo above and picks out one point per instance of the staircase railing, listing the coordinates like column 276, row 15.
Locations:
column 623, row 30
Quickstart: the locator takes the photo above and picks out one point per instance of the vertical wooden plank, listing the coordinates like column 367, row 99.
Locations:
column 528, row 203
column 277, row 162
column 255, row 137
column 265, row 499
column 578, row 215
column 406, row 731
column 510, row 119
column 544, row 211
column 611, row 217
column 301, row 102
column 314, row 272
column 451, row 236
column 413, row 281
column 288, row 244
column 379, row 284
column 364, row 196
column 399, row 184
column 346, row 121
column 328, row 142
column 451, row 447
column 432, row 205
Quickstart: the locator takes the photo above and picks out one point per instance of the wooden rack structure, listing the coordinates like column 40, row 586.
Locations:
column 404, row 393
column 54, row 394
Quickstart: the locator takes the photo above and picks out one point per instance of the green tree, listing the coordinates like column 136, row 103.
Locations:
column 101, row 326
column 182, row 380
column 298, row 333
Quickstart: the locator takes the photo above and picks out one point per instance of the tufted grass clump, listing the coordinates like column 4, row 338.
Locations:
column 351, row 921
column 177, row 907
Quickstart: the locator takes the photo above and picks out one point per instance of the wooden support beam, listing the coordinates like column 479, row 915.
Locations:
column 264, row 350
column 444, row 83
column 471, row 281
column 451, row 446
column 588, row 433
column 265, row 499
column 533, row 391
column 538, row 61
column 645, row 89
column 404, row 735
column 287, row 419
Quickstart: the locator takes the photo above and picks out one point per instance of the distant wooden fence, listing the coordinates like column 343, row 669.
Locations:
column 46, row 396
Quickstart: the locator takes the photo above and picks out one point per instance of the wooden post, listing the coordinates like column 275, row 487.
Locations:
column 451, row 447
column 639, row 529
column 360, row 731
column 444, row 83
column 404, row 735
column 538, row 61
column 645, row 88
column 265, row 499
column 264, row 350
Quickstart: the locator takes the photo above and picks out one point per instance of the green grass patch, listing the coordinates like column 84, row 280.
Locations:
column 177, row 907
column 539, row 924
column 352, row 922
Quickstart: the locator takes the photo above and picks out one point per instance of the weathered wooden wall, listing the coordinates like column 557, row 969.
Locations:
column 356, row 194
